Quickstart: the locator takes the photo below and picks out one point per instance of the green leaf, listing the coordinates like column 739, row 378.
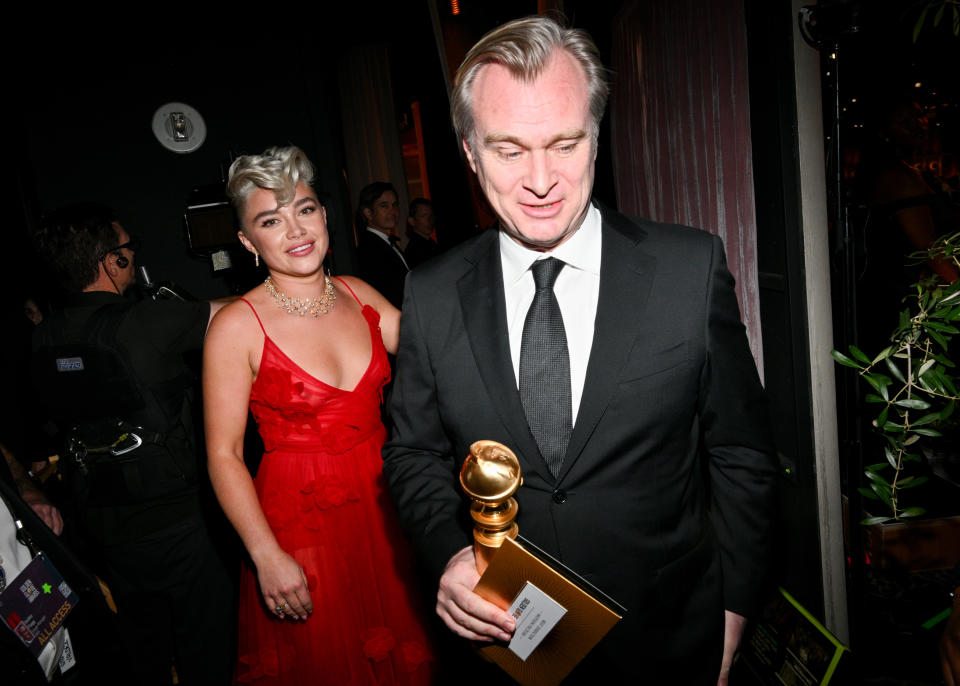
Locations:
column 859, row 354
column 925, row 367
column 911, row 439
column 938, row 338
column 895, row 428
column 895, row 370
column 877, row 478
column 927, row 419
column 880, row 383
column 948, row 384
column 891, row 456
column 937, row 326
column 876, row 467
column 911, row 457
column 874, row 398
column 912, row 481
column 947, row 410
column 912, row 512
column 939, row 15
column 843, row 359
column 935, row 377
column 876, row 520
column 884, row 354
column 882, row 417
column 919, row 25
column 867, row 493
column 883, row 494
column 927, row 432
column 912, row 404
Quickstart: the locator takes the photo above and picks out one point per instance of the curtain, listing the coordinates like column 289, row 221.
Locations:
column 680, row 127
column 371, row 137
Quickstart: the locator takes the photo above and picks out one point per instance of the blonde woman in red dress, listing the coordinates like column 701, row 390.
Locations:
column 328, row 594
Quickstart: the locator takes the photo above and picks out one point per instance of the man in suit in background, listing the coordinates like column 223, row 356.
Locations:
column 382, row 264
column 421, row 225
column 608, row 353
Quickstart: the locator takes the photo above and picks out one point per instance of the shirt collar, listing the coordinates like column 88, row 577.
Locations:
column 580, row 251
column 377, row 232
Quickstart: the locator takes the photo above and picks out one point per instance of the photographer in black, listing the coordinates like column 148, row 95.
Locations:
column 109, row 373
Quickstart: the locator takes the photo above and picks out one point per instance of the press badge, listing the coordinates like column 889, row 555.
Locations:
column 36, row 603
column 536, row 614
column 70, row 364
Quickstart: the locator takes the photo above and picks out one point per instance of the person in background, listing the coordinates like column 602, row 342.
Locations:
column 382, row 264
column 110, row 375
column 328, row 594
column 421, row 242
column 32, row 311
column 85, row 647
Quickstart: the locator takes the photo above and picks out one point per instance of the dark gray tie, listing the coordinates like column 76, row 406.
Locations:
column 545, row 368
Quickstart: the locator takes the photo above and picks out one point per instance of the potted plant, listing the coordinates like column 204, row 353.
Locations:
column 914, row 388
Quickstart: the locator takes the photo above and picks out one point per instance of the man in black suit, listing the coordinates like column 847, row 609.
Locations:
column 650, row 470
column 420, row 227
column 381, row 262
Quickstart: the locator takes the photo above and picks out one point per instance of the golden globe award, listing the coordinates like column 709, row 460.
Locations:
column 560, row 616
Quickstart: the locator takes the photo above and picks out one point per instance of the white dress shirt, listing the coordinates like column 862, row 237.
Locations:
column 577, row 289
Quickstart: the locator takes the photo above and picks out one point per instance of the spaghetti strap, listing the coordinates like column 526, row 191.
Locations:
column 349, row 289
column 257, row 315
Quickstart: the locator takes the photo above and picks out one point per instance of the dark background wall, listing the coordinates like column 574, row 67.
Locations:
column 86, row 134
column 85, row 90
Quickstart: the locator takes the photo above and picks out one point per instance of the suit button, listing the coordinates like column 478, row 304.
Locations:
column 559, row 496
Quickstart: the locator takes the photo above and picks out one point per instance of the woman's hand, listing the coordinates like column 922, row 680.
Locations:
column 284, row 585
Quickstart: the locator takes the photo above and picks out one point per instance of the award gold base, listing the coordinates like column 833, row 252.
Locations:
column 586, row 621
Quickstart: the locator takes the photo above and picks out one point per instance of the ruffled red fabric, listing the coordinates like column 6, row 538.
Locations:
column 321, row 490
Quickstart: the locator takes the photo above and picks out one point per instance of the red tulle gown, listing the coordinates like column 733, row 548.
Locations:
column 322, row 491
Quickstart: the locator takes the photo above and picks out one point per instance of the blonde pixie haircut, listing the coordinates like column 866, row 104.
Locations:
column 277, row 169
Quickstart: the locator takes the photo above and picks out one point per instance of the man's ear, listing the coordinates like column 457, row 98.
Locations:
column 469, row 152
column 367, row 213
column 109, row 264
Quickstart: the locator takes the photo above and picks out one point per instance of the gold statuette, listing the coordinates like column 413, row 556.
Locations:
column 490, row 476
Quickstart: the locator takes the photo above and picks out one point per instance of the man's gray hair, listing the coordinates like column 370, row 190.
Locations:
column 277, row 169
column 524, row 47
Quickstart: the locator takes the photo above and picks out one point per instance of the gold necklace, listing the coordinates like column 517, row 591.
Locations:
column 311, row 306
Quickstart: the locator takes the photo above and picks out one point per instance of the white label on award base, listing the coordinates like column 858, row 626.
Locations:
column 536, row 614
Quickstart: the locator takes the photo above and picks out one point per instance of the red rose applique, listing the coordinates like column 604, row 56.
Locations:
column 377, row 643
column 265, row 662
column 414, row 654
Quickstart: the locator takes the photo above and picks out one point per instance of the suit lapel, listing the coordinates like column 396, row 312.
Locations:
column 485, row 319
column 626, row 275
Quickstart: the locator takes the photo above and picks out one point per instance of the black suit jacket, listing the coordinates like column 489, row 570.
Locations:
column 665, row 498
column 419, row 249
column 381, row 266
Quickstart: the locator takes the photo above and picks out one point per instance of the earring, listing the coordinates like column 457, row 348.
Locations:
column 256, row 259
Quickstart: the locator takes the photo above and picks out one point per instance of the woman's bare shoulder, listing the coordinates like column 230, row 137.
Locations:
column 238, row 319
